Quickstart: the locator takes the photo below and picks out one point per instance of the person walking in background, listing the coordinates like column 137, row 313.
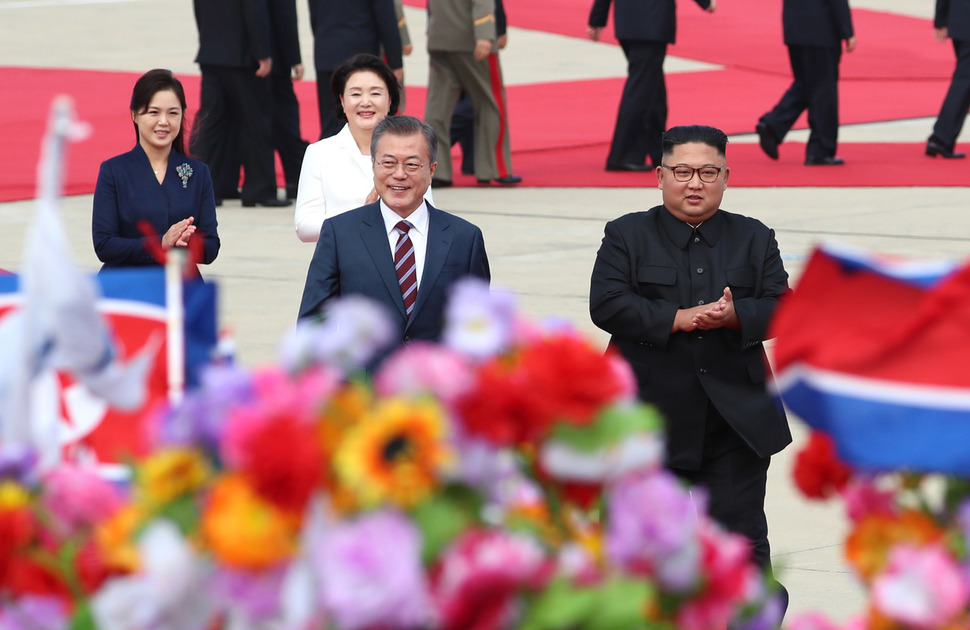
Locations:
column 686, row 291
column 342, row 29
column 952, row 20
column 644, row 29
column 814, row 33
column 287, row 68
column 399, row 251
column 462, row 50
column 338, row 174
column 154, row 183
column 235, row 56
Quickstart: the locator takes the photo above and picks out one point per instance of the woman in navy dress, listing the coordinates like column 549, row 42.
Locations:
column 155, row 184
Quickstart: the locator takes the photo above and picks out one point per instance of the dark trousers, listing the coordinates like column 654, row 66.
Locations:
column 330, row 124
column 235, row 99
column 286, row 128
column 735, row 479
column 957, row 101
column 815, row 88
column 642, row 118
column 463, row 132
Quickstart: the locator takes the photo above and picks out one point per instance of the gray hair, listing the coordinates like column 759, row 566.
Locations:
column 405, row 126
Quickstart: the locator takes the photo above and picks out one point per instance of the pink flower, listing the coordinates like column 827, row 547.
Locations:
column 729, row 578
column 78, row 498
column 424, row 368
column 921, row 587
column 477, row 580
column 811, row 621
column 863, row 498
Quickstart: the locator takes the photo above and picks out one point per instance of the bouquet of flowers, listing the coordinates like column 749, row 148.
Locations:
column 908, row 542
column 505, row 478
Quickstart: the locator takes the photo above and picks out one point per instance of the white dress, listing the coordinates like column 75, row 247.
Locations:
column 335, row 178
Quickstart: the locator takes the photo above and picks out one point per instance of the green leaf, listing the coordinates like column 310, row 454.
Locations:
column 560, row 605
column 444, row 516
column 617, row 604
column 622, row 605
column 83, row 619
column 611, row 426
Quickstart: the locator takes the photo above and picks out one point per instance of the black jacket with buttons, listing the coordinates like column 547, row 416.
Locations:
column 649, row 265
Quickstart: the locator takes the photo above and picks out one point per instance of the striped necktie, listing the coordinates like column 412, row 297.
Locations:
column 404, row 264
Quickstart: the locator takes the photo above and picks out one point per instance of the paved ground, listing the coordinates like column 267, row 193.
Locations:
column 541, row 242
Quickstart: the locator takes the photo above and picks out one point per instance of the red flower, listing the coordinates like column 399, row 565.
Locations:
column 556, row 379
column 818, row 471
column 282, row 459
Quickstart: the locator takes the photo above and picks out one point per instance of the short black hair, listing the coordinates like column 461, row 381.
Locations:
column 405, row 126
column 700, row 134
column 149, row 84
column 364, row 63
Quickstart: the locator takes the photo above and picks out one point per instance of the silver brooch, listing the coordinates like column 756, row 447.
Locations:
column 185, row 172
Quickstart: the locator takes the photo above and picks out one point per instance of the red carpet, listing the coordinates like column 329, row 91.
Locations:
column 560, row 131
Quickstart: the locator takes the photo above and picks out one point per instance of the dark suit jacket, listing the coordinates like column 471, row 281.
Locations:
column 233, row 33
column 650, row 20
column 816, row 22
column 128, row 193
column 955, row 16
column 344, row 28
column 648, row 267
column 353, row 257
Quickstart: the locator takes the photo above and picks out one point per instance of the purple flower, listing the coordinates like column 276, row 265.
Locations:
column 372, row 574
column 33, row 613
column 19, row 463
column 200, row 418
column 479, row 322
column 255, row 595
column 653, row 527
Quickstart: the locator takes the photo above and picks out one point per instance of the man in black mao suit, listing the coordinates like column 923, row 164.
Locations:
column 952, row 19
column 814, row 32
column 644, row 28
column 235, row 57
column 356, row 251
column 342, row 29
column 687, row 290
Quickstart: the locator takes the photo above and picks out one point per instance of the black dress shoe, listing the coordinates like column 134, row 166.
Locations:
column 272, row 202
column 440, row 183
column 824, row 161
column 767, row 139
column 508, row 180
column 636, row 168
column 934, row 149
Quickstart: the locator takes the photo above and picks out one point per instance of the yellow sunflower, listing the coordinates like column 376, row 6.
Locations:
column 170, row 474
column 394, row 454
column 13, row 495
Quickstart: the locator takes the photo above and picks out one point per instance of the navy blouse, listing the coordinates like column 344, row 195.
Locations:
column 127, row 193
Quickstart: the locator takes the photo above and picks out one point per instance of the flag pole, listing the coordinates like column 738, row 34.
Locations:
column 175, row 324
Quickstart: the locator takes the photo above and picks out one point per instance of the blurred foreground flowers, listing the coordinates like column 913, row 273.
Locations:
column 505, row 479
column 908, row 541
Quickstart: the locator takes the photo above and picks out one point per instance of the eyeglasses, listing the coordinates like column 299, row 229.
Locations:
column 391, row 165
column 708, row 174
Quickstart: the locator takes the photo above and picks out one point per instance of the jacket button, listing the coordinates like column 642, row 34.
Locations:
column 703, row 370
column 699, row 302
column 407, row 340
column 700, row 270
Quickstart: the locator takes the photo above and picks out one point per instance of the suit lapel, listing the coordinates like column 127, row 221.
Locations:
column 439, row 244
column 375, row 240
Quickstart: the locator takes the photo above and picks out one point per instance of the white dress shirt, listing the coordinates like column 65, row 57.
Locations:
column 335, row 177
column 418, row 234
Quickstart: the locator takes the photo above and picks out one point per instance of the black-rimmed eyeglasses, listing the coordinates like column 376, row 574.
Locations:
column 682, row 173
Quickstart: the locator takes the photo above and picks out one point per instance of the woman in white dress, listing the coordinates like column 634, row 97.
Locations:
column 337, row 173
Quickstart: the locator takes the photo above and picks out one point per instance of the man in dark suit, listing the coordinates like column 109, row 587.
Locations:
column 952, row 19
column 814, row 32
column 399, row 251
column 687, row 290
column 342, row 29
column 235, row 57
column 644, row 28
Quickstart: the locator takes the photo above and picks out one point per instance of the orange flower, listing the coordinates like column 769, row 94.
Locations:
column 867, row 547
column 115, row 538
column 244, row 530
